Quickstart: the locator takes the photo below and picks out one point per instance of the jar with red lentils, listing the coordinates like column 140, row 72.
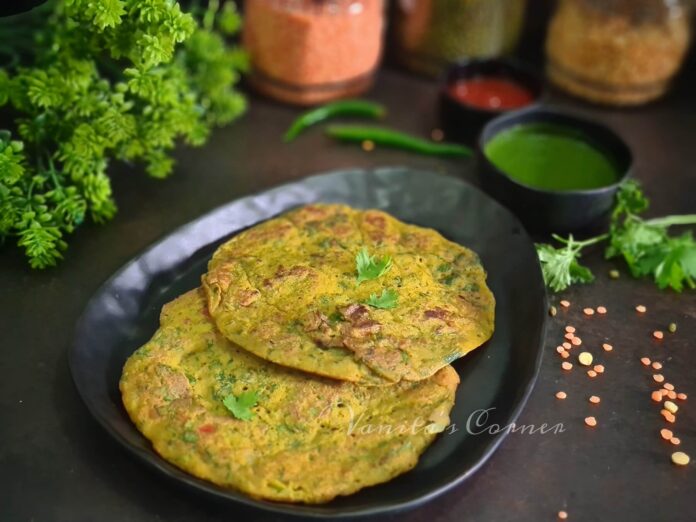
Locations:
column 312, row 51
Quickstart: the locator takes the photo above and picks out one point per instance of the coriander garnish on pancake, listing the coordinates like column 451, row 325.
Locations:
column 350, row 294
column 227, row 416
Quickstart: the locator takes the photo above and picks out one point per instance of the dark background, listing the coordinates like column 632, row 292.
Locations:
column 57, row 464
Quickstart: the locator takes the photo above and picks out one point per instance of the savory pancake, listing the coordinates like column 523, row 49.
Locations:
column 299, row 438
column 288, row 291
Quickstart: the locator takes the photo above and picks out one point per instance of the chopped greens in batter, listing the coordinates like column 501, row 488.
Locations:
column 388, row 299
column 369, row 267
column 241, row 406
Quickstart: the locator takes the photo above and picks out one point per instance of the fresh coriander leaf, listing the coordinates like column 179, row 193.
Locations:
column 388, row 299
column 629, row 200
column 560, row 266
column 241, row 406
column 369, row 267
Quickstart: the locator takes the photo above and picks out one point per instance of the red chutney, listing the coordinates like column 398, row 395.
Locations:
column 490, row 93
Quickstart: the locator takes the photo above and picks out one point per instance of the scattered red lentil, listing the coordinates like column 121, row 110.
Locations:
column 641, row 309
column 675, row 440
column 437, row 135
column 668, row 386
column 561, row 395
column 656, row 396
column 671, row 394
column 594, row 399
column 565, row 304
column 562, row 515
column 599, row 368
column 645, row 361
column 601, row 310
column 588, row 311
column 591, row 421
column 560, row 349
column 658, row 377
column 657, row 366
column 567, row 345
column 666, row 434
column 607, row 347
column 668, row 415
column 565, row 354
column 664, row 392
column 570, row 329
column 592, row 373
column 569, row 336
column 681, row 396
column 658, row 334
column 566, row 365
column 368, row 145
column 576, row 341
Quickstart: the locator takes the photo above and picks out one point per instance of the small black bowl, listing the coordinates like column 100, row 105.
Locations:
column 550, row 210
column 462, row 122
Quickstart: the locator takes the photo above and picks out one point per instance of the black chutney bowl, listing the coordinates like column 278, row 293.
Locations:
column 463, row 122
column 545, row 210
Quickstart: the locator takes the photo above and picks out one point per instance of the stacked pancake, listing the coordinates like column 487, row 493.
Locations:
column 293, row 376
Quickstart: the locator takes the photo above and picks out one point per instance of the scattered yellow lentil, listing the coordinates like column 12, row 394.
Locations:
column 601, row 310
column 672, row 327
column 641, row 309
column 566, row 365
column 607, row 347
column 588, row 311
column 591, row 421
column 671, row 407
column 565, row 304
column 658, row 377
column 585, row 358
column 658, row 334
column 553, row 311
column 645, row 361
column 680, row 458
column 561, row 395
column 368, row 145
column 614, row 274
column 594, row 399
column 657, row 366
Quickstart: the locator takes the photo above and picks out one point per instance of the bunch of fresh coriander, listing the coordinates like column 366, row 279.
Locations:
column 645, row 245
column 87, row 81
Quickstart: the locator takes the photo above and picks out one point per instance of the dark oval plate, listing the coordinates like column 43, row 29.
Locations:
column 496, row 378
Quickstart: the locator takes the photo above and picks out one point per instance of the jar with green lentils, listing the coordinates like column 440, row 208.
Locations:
column 429, row 34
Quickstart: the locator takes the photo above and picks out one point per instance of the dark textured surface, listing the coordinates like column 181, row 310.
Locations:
column 57, row 464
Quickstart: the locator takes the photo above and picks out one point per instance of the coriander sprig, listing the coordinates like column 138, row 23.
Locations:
column 645, row 245
column 387, row 300
column 240, row 406
column 369, row 267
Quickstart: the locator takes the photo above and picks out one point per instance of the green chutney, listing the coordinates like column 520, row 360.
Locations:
column 550, row 157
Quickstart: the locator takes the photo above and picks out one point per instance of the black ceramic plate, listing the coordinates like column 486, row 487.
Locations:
column 123, row 314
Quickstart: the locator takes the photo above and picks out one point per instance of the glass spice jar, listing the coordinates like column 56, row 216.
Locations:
column 430, row 34
column 618, row 52
column 312, row 51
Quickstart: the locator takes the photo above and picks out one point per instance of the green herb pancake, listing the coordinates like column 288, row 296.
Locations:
column 350, row 294
column 227, row 416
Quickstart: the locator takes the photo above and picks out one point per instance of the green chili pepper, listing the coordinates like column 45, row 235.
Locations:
column 395, row 139
column 360, row 108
